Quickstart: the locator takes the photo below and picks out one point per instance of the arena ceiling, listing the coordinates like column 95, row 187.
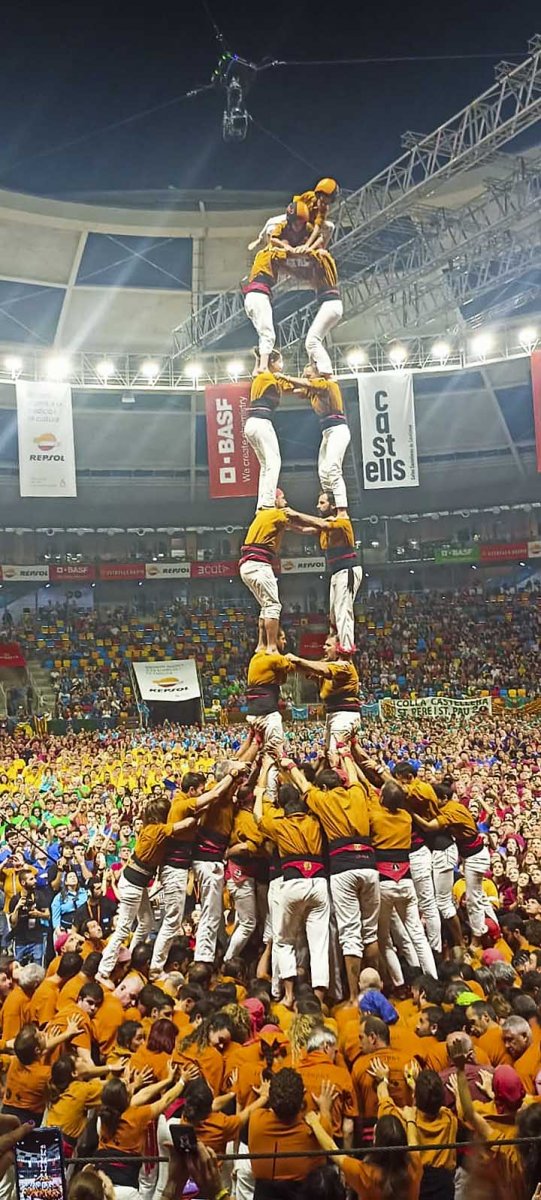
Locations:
column 447, row 239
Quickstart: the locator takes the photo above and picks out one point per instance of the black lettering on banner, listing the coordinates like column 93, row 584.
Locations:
column 383, row 466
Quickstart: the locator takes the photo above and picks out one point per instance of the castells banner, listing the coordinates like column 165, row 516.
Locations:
column 46, row 447
column 233, row 467
column 174, row 680
column 389, row 440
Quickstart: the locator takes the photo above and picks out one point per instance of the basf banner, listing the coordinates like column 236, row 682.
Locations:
column 46, row 449
column 233, row 467
column 389, row 442
column 175, row 679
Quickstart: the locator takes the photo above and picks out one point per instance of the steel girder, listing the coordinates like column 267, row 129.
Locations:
column 473, row 135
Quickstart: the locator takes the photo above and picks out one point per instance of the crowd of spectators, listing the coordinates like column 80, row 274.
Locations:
column 408, row 645
column 439, row 1061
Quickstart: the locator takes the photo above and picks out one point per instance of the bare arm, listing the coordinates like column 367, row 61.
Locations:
column 290, row 769
column 311, row 666
column 305, row 519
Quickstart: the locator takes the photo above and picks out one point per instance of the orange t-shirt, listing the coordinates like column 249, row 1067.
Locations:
column 366, row 1179
column 209, row 1061
column 317, row 1066
column 130, row 1135
column 43, row 1005
column 366, row 1085
column 491, row 1043
column 15, row 1013
column 217, row 1130
column 156, row 1060
column 266, row 1134
column 84, row 1038
column 69, row 992
column 109, row 1017
column 26, row 1087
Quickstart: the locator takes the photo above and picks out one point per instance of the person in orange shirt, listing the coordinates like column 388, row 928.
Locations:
column 186, row 999
column 156, row 1054
column 376, row 1043
column 93, row 935
column 281, row 1128
column 86, row 1007
column 124, row 1119
column 44, row 1002
column 257, row 555
column 135, row 878
column 29, row 1071
column 69, row 1099
column 16, row 1009
column 525, row 1054
column 245, row 858
column 212, row 1126
column 388, row 1172
column 318, row 1063
column 205, row 1047
column 432, row 1048
column 483, row 1026
column 337, row 540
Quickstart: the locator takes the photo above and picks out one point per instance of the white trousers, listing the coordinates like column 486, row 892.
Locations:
column 244, row 897
column 400, row 897
column 261, row 581
column 423, row 882
column 261, row 436
column 134, row 902
column 355, row 897
column 272, row 930
column 341, row 601
column 334, row 443
column 304, row 903
column 443, row 870
column 338, row 726
column 271, row 731
column 258, row 309
column 174, row 881
column 328, row 315
column 475, row 869
column 243, row 1176
column 209, row 877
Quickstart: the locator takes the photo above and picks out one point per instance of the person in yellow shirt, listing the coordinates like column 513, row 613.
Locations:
column 326, row 400
column 245, row 860
column 337, row 540
column 338, row 690
column 265, row 392
column 256, row 570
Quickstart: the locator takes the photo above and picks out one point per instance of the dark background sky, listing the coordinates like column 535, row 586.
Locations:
column 69, row 69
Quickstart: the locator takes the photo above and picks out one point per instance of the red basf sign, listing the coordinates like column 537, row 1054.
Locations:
column 233, row 467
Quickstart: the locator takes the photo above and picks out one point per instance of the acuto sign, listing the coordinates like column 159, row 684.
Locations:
column 233, row 468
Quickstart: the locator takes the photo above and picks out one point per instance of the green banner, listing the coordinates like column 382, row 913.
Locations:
column 457, row 554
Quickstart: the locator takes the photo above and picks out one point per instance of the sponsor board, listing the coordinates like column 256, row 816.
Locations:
column 173, row 680
column 46, row 446
column 233, row 467
column 162, row 570
column 389, row 440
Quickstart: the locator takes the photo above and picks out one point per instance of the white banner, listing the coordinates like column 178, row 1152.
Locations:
column 534, row 549
column 16, row 574
column 435, row 706
column 389, row 442
column 156, row 570
column 175, row 679
column 303, row 566
column 46, row 449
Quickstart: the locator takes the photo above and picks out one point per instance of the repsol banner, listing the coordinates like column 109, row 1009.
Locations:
column 233, row 467
column 389, row 442
column 175, row 679
column 435, row 706
column 46, row 449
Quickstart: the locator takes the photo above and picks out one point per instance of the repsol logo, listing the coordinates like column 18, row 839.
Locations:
column 46, row 458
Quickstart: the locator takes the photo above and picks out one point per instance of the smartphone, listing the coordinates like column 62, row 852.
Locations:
column 39, row 1166
column 183, row 1137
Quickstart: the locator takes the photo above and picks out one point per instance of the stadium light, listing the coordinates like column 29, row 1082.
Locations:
column 356, row 358
column 441, row 351
column 194, row 370
column 235, row 368
column 482, row 344
column 528, row 338
column 105, row 369
column 150, row 369
column 14, row 365
column 58, row 367
column 398, row 355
